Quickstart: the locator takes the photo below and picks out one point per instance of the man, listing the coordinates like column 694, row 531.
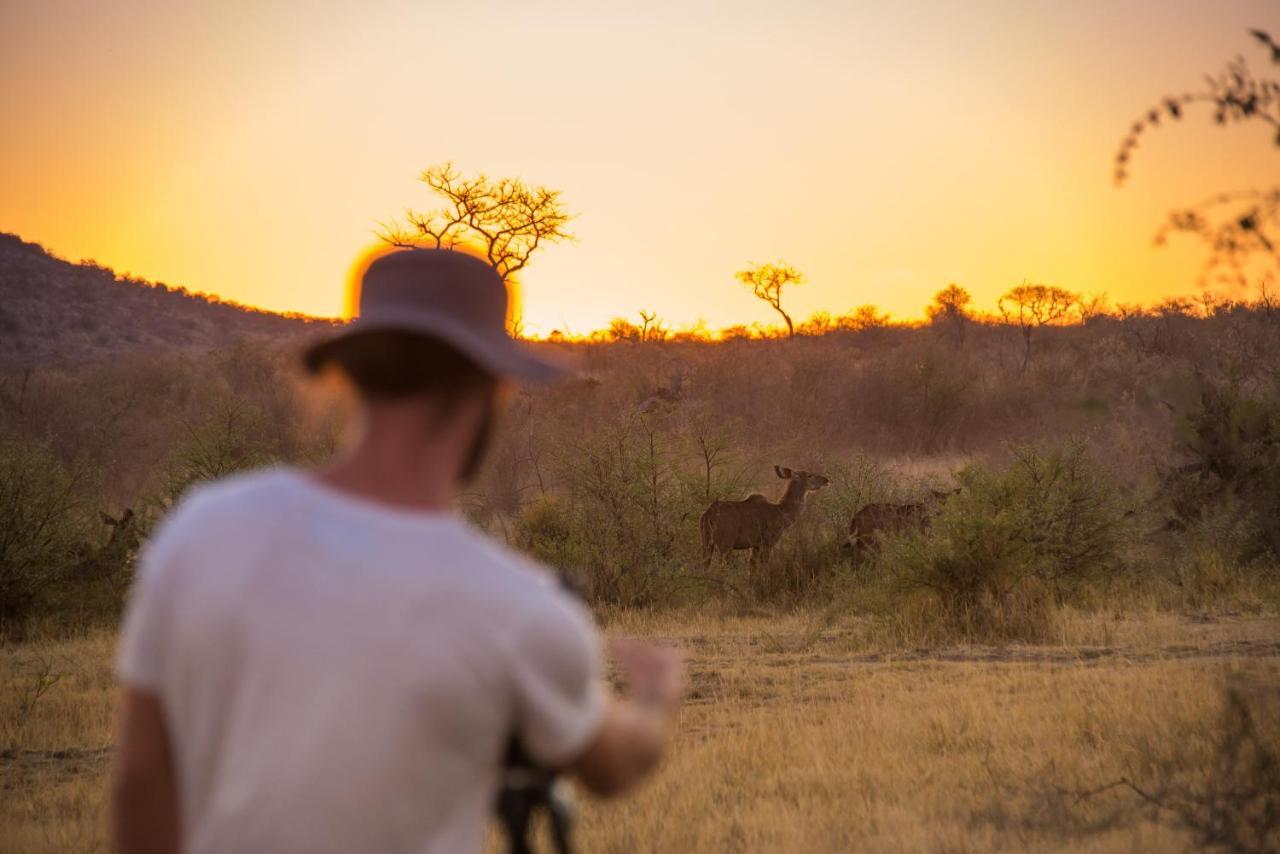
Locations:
column 333, row 660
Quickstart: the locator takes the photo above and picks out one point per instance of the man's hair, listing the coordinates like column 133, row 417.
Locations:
column 393, row 365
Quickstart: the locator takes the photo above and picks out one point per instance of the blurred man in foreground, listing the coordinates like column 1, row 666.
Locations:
column 334, row 660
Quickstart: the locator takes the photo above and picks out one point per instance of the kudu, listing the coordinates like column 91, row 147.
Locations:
column 97, row 562
column 870, row 524
column 755, row 522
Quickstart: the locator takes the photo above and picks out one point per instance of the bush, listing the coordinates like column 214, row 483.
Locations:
column 1230, row 441
column 1219, row 783
column 625, row 525
column 225, row 443
column 1010, row 546
column 544, row 530
column 40, row 525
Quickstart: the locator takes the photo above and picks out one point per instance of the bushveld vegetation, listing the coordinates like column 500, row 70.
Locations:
column 1124, row 455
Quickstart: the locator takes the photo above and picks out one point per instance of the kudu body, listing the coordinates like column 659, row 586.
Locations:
column 756, row 523
column 95, row 562
column 870, row 524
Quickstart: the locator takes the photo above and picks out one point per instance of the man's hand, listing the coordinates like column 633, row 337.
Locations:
column 654, row 674
column 635, row 728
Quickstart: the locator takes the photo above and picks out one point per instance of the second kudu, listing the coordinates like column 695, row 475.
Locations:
column 875, row 521
column 755, row 522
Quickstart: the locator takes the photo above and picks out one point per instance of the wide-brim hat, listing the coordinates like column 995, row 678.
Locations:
column 444, row 294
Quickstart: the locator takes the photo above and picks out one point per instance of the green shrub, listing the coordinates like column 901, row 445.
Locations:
column 626, row 522
column 41, row 525
column 544, row 530
column 1230, row 444
column 1010, row 546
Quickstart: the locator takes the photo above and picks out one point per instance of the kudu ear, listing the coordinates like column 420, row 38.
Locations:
column 107, row 520
column 785, row 474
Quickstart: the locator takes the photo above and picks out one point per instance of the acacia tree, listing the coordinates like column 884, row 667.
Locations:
column 650, row 328
column 1030, row 307
column 509, row 219
column 767, row 282
column 862, row 318
column 1236, row 226
column 950, row 308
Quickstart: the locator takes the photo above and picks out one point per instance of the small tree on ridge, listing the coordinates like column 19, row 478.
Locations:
column 1030, row 307
column 509, row 219
column 767, row 282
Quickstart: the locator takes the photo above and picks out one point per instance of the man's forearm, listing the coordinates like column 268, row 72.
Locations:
column 144, row 817
column 144, row 790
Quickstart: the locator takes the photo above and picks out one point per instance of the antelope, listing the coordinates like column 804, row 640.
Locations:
column 96, row 562
column 872, row 522
column 756, row 523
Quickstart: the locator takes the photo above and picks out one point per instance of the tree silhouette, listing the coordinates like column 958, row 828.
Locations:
column 862, row 318
column 950, row 309
column 509, row 219
column 1239, row 225
column 767, row 282
column 1030, row 307
column 650, row 328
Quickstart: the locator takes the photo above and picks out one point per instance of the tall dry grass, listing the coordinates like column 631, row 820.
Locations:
column 800, row 736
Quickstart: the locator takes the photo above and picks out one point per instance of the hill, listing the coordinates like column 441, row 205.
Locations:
column 54, row 311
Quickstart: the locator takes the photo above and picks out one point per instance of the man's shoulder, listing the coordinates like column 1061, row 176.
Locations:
column 529, row 586
column 516, row 569
column 249, row 495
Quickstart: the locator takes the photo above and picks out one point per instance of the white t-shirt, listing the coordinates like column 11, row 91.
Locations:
column 338, row 675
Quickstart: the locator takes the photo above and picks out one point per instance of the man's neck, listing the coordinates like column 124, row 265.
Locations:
column 401, row 461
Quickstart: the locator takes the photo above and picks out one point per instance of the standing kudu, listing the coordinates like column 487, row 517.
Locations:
column 874, row 521
column 99, row 562
column 756, row 523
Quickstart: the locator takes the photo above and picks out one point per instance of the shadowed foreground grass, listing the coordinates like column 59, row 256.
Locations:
column 799, row 737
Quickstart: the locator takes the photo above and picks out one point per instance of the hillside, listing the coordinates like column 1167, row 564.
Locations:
column 55, row 311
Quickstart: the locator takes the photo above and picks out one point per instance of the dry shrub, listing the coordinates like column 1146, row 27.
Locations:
column 1220, row 785
column 624, row 523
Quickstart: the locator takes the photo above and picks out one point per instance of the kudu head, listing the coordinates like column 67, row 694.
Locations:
column 802, row 482
column 940, row 496
column 125, row 535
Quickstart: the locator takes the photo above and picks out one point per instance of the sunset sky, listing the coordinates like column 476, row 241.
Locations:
column 249, row 149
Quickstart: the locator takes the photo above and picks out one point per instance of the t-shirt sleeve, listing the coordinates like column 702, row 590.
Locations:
column 560, row 693
column 145, row 639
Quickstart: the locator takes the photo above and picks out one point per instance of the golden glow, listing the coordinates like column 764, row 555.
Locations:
column 252, row 149
column 355, row 275
column 365, row 258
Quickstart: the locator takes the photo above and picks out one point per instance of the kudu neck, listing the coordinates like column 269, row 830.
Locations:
column 793, row 498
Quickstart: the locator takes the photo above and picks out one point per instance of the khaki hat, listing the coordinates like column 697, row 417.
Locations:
column 444, row 294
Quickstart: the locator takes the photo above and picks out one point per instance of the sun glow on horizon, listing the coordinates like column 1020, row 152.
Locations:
column 252, row 151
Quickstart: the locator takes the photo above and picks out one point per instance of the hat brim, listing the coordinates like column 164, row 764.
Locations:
column 501, row 355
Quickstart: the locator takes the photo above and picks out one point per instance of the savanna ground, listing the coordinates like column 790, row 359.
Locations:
column 801, row 733
column 1081, row 651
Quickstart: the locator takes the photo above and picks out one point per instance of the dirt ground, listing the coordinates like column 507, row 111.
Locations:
column 798, row 737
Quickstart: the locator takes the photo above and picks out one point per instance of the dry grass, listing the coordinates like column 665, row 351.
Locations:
column 797, row 736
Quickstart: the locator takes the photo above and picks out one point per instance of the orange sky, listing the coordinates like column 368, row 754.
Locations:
column 249, row 149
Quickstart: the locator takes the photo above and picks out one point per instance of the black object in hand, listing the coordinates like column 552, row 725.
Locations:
column 526, row 788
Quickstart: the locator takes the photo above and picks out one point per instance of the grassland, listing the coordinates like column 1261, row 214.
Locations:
column 801, row 735
column 1099, row 602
